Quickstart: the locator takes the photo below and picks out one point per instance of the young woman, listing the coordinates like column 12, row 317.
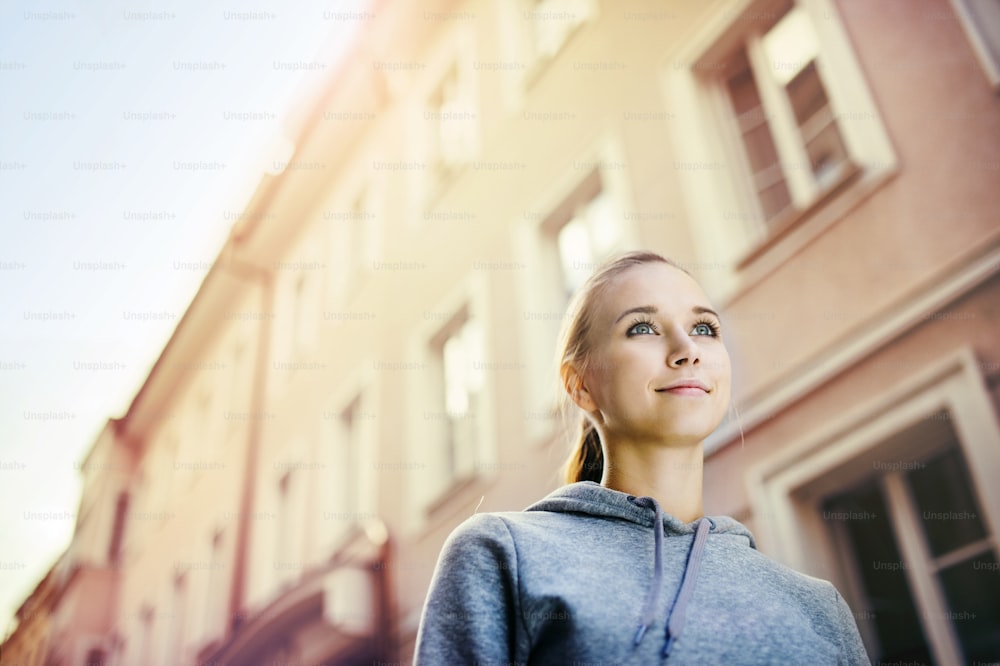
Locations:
column 620, row 566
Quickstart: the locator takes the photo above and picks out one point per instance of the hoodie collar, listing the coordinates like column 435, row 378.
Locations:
column 590, row 497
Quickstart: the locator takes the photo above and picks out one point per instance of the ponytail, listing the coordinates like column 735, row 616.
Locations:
column 586, row 463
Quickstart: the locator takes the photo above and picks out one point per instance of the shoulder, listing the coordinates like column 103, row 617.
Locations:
column 479, row 529
column 511, row 531
column 817, row 596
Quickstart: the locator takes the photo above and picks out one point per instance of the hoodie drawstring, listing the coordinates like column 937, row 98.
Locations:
column 677, row 615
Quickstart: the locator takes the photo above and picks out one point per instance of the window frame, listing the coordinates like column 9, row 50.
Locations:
column 358, row 385
column 426, row 186
column 787, row 487
column 527, row 17
column 361, row 183
column 534, row 240
column 430, row 500
column 708, row 149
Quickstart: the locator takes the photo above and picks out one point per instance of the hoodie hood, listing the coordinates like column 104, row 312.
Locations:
column 591, row 498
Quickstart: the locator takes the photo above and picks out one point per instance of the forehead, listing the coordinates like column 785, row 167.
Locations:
column 669, row 289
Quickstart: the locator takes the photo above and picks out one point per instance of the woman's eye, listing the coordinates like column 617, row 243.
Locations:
column 641, row 329
column 703, row 329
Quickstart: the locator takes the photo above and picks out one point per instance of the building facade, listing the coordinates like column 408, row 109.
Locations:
column 369, row 361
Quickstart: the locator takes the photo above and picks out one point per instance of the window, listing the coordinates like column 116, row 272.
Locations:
column 792, row 146
column 457, row 351
column 442, row 121
column 346, row 460
column 925, row 561
column 353, row 239
column 450, row 127
column 586, row 217
column 981, row 19
column 549, row 23
column 175, row 647
column 299, row 311
column 344, row 475
column 284, row 530
column 350, row 450
column 582, row 231
column 118, row 529
column 159, row 474
column 147, row 618
column 216, row 601
column 237, row 387
column 202, row 443
column 451, row 438
column 783, row 137
column 895, row 502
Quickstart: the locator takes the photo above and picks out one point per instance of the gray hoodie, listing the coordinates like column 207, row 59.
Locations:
column 583, row 577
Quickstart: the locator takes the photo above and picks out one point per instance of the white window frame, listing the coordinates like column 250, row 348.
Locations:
column 709, row 158
column 298, row 319
column 146, row 644
column 216, row 609
column 348, row 271
column 546, row 19
column 985, row 44
column 786, row 487
column 201, row 442
column 426, row 187
column 237, row 392
column 357, row 384
column 421, row 484
column 177, row 633
column 539, row 287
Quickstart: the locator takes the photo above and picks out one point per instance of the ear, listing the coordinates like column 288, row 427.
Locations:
column 576, row 389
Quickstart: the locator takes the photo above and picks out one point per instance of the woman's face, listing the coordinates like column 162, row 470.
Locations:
column 658, row 368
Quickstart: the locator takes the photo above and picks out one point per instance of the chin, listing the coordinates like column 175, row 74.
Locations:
column 696, row 423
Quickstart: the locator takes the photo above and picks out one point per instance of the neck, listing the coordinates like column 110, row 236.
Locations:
column 670, row 475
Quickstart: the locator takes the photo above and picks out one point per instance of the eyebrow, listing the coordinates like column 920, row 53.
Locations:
column 651, row 309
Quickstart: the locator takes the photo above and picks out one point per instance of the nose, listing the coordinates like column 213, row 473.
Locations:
column 682, row 349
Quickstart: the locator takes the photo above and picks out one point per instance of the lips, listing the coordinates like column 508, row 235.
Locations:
column 685, row 387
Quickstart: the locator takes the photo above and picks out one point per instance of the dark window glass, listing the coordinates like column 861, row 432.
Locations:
column 883, row 574
column 943, row 492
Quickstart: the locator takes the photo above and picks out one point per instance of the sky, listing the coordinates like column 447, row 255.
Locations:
column 131, row 136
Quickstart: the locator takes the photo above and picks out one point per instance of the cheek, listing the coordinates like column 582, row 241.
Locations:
column 607, row 377
column 723, row 371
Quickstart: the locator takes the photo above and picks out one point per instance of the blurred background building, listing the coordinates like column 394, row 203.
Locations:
column 369, row 360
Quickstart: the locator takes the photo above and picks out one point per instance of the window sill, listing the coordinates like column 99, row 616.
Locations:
column 794, row 232
column 792, row 218
column 539, row 63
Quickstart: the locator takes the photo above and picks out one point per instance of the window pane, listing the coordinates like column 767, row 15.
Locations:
column 775, row 199
column 472, row 336
column 350, row 420
column 806, row 93
column 790, row 44
column 456, row 368
column 743, row 88
column 827, row 155
column 760, row 148
column 973, row 591
column 605, row 225
column 769, row 181
column 943, row 492
column 865, row 517
column 575, row 254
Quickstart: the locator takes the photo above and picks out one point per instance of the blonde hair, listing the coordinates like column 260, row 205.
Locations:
column 586, row 461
